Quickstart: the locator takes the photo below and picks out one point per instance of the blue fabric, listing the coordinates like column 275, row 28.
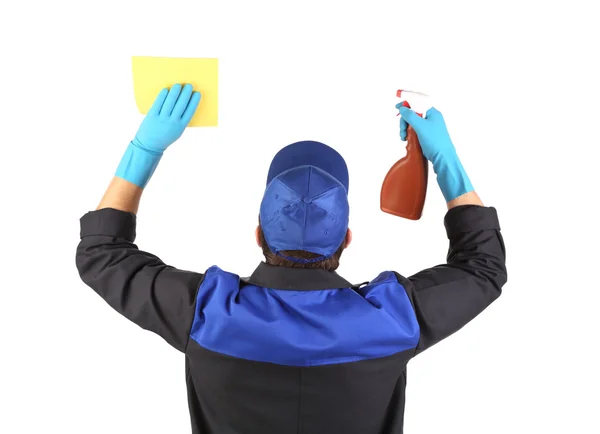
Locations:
column 305, row 208
column 303, row 328
column 310, row 153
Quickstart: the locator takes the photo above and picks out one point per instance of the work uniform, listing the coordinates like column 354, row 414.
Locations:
column 289, row 350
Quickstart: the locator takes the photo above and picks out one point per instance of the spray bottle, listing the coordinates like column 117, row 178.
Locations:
column 405, row 186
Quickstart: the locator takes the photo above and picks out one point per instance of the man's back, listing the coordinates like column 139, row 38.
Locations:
column 295, row 360
column 292, row 350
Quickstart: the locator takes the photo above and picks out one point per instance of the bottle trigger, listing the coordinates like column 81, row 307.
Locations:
column 404, row 103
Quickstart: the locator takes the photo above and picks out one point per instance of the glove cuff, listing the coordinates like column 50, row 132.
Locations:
column 452, row 178
column 138, row 165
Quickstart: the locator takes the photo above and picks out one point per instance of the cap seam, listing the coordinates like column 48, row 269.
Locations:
column 328, row 190
column 321, row 194
column 339, row 184
column 326, row 212
column 310, row 170
column 290, row 190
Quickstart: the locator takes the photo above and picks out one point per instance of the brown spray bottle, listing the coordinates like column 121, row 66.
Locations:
column 405, row 186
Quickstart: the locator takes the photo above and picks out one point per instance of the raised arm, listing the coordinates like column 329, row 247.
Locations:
column 137, row 284
column 448, row 296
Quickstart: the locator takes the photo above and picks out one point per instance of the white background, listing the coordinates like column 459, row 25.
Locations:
column 517, row 83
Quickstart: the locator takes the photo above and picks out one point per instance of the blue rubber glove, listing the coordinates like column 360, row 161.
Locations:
column 165, row 122
column 438, row 148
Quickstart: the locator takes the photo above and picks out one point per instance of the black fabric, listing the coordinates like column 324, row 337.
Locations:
column 306, row 279
column 137, row 284
column 109, row 221
column 227, row 395
column 244, row 397
column 470, row 218
column 448, row 296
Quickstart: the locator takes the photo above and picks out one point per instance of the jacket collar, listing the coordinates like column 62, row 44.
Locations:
column 299, row 279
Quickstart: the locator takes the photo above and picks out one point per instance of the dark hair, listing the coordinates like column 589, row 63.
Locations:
column 329, row 264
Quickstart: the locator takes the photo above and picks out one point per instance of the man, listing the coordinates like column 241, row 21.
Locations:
column 294, row 348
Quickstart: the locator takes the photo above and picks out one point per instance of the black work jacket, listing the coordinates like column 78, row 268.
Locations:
column 295, row 351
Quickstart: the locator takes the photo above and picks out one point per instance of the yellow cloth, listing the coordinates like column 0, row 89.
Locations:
column 151, row 74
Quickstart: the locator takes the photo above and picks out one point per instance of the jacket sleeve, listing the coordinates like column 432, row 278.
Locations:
column 137, row 284
column 446, row 297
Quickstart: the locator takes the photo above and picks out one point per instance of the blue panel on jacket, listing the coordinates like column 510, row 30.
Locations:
column 303, row 328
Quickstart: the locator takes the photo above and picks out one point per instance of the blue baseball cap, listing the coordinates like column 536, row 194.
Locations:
column 305, row 204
